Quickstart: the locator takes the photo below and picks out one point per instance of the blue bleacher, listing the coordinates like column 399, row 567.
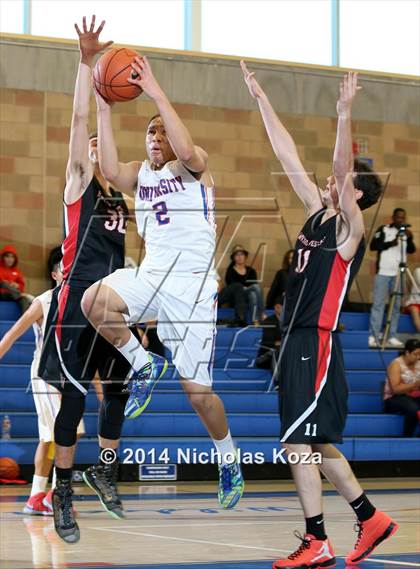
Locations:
column 171, row 423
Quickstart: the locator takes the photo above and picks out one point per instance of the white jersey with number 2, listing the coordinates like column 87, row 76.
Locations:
column 175, row 217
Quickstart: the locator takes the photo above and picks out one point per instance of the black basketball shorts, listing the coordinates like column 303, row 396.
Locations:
column 73, row 351
column 312, row 387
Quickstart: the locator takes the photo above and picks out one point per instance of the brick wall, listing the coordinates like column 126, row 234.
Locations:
column 34, row 132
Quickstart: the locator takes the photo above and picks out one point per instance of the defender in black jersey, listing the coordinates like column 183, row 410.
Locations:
column 95, row 219
column 313, row 390
column 95, row 226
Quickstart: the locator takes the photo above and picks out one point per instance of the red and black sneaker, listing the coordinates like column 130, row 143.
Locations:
column 371, row 533
column 311, row 554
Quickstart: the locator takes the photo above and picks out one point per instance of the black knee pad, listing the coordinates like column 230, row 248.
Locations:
column 68, row 419
column 111, row 415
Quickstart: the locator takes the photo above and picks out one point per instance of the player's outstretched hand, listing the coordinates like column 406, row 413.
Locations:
column 89, row 43
column 348, row 91
column 252, row 84
column 142, row 76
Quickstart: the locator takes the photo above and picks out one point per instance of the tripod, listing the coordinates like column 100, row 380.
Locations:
column 399, row 286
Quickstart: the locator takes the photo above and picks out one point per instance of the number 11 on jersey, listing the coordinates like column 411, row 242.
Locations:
column 310, row 430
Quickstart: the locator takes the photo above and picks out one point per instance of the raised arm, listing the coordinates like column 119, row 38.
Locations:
column 283, row 146
column 79, row 169
column 351, row 215
column 193, row 157
column 121, row 176
column 32, row 315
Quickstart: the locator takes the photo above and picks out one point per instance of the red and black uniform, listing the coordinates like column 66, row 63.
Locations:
column 95, row 227
column 313, row 390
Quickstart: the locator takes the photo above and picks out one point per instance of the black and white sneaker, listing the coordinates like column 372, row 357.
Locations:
column 62, row 503
column 102, row 479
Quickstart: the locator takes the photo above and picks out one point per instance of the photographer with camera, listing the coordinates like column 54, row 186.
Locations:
column 392, row 242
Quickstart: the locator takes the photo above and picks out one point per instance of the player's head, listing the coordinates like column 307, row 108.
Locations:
column 239, row 255
column 56, row 273
column 412, row 351
column 93, row 147
column 399, row 216
column 368, row 183
column 54, row 265
column 367, row 187
column 158, row 147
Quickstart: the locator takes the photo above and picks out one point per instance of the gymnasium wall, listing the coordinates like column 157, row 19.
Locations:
column 255, row 204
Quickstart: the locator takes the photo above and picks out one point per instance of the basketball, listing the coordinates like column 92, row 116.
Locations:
column 110, row 75
column 9, row 468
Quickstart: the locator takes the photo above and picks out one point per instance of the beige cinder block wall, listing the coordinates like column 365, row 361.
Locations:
column 256, row 206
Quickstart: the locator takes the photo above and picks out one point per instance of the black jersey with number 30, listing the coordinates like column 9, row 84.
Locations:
column 319, row 277
column 95, row 227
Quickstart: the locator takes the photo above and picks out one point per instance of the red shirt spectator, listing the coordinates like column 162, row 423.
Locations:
column 9, row 273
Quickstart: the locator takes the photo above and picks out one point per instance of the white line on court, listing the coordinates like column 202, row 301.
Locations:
column 196, row 525
column 408, row 563
column 193, row 540
column 372, row 560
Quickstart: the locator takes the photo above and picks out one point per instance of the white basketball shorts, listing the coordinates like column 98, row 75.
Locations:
column 47, row 403
column 185, row 308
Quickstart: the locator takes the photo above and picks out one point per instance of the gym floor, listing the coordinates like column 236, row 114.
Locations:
column 180, row 525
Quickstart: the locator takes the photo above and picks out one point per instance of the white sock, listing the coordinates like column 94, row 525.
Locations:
column 226, row 449
column 39, row 484
column 134, row 353
column 54, row 479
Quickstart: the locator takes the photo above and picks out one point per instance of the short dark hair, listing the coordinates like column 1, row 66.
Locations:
column 54, row 258
column 278, row 300
column 411, row 345
column 397, row 209
column 368, row 182
column 93, row 134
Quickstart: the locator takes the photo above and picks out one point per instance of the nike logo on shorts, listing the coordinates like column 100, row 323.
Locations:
column 304, row 359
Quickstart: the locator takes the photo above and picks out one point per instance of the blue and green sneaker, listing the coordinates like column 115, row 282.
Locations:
column 142, row 384
column 231, row 484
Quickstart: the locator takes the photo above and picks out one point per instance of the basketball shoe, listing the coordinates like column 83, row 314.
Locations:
column 47, row 501
column 142, row 384
column 311, row 554
column 371, row 533
column 231, row 484
column 36, row 507
column 64, row 522
column 102, row 479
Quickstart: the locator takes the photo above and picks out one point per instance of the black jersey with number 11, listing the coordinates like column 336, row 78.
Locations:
column 319, row 277
column 95, row 227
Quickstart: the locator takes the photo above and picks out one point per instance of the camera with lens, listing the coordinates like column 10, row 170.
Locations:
column 403, row 229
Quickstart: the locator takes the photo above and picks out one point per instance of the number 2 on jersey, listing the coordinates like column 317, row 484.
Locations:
column 161, row 213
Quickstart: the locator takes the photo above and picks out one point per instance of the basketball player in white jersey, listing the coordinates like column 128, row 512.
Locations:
column 46, row 398
column 175, row 285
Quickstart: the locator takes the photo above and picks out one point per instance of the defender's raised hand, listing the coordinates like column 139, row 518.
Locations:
column 348, row 91
column 252, row 84
column 142, row 76
column 89, row 43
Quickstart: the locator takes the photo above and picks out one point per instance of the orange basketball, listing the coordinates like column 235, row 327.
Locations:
column 110, row 75
column 9, row 468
